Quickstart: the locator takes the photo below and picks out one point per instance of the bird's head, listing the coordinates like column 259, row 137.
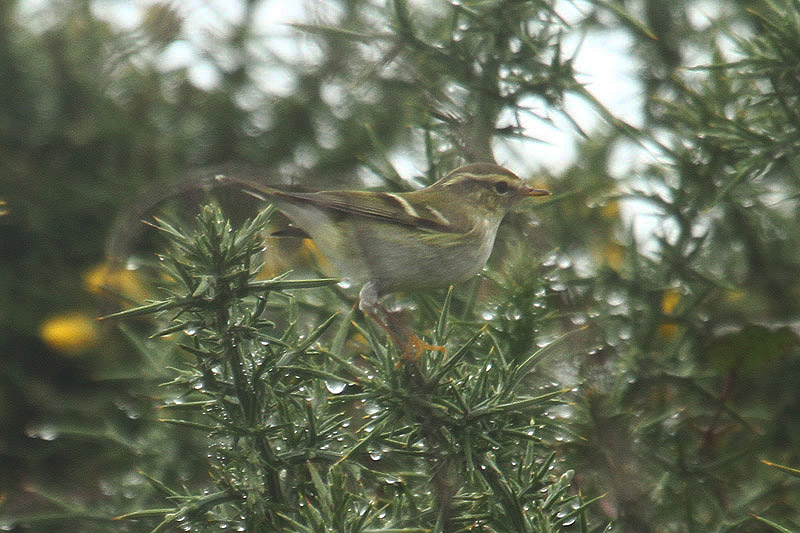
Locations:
column 486, row 187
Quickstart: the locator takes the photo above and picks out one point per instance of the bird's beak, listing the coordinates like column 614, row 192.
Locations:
column 530, row 191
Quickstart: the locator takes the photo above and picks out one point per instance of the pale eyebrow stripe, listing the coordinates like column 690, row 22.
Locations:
column 407, row 207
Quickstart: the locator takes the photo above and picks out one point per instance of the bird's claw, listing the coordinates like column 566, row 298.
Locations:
column 415, row 347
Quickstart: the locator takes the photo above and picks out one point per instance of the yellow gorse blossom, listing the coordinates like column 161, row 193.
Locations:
column 669, row 302
column 70, row 333
column 106, row 277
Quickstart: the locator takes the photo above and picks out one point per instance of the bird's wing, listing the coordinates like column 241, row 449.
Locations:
column 395, row 208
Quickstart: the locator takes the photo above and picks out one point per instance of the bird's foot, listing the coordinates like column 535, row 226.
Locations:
column 410, row 345
column 414, row 347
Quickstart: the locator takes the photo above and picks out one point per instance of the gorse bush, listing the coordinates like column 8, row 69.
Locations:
column 323, row 426
column 636, row 341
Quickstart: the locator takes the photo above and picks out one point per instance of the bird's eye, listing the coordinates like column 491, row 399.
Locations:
column 501, row 187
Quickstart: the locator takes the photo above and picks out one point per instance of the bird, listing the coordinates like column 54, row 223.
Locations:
column 388, row 242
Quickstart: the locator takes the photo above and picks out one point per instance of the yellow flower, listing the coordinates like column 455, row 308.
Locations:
column 670, row 300
column 735, row 295
column 284, row 254
column 70, row 333
column 668, row 330
column 610, row 210
column 613, row 255
column 105, row 277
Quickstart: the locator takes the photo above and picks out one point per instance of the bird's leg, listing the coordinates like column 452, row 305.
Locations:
column 410, row 345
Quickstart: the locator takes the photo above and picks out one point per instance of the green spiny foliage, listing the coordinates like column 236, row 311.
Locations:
column 304, row 434
column 698, row 348
column 689, row 375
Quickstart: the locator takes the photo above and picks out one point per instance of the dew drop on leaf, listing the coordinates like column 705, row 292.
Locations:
column 334, row 386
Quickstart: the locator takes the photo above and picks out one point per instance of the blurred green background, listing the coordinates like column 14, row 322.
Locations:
column 673, row 230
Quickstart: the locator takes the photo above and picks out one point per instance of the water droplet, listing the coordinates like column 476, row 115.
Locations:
column 375, row 454
column 191, row 330
column 44, row 432
column 578, row 319
column 334, row 386
column 544, row 340
column 615, row 298
column 563, row 411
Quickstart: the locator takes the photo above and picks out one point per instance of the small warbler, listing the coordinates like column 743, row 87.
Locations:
column 389, row 242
